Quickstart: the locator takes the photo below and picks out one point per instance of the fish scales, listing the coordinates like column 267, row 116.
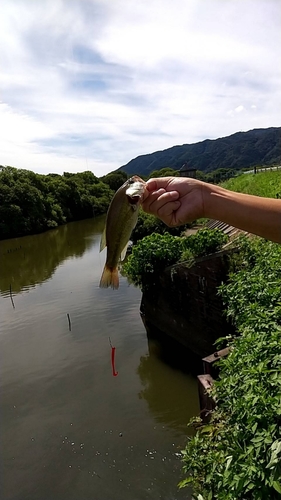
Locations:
column 121, row 219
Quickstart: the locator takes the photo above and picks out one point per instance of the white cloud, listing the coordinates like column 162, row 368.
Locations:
column 94, row 83
column 239, row 109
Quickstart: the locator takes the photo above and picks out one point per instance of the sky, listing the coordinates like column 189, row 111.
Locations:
column 92, row 84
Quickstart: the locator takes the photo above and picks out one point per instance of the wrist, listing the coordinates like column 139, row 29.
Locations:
column 212, row 198
column 206, row 193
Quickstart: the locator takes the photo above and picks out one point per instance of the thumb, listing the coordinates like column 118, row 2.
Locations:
column 155, row 184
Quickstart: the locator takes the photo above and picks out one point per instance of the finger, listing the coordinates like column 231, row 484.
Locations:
column 148, row 191
column 151, row 185
column 155, row 184
column 168, row 209
column 149, row 198
column 159, row 198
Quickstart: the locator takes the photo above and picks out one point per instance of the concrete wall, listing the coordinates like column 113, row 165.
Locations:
column 185, row 304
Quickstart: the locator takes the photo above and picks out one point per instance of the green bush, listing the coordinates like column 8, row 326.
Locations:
column 205, row 241
column 150, row 256
column 237, row 456
column 153, row 253
column 187, row 257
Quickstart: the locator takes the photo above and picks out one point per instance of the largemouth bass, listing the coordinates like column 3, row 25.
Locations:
column 121, row 219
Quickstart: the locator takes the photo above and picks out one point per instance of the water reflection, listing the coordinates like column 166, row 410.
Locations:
column 30, row 260
column 165, row 386
column 62, row 411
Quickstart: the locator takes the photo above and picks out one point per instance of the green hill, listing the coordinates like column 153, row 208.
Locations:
column 240, row 150
column 266, row 184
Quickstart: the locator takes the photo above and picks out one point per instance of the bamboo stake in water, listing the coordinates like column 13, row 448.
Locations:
column 69, row 322
column 11, row 296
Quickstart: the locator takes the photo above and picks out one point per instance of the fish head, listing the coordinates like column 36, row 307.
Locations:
column 135, row 190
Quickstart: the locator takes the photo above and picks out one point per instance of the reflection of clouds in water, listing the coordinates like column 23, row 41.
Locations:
column 111, row 308
column 58, row 383
column 72, row 287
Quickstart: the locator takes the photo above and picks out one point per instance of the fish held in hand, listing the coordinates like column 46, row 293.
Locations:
column 121, row 219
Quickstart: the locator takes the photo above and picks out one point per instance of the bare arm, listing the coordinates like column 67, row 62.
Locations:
column 257, row 215
column 180, row 200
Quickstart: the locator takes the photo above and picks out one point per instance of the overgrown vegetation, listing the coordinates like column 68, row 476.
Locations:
column 155, row 252
column 204, row 242
column 266, row 184
column 32, row 203
column 150, row 256
column 237, row 456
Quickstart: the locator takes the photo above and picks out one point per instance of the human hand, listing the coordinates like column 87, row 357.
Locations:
column 174, row 200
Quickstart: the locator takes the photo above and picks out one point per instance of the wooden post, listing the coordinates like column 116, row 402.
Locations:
column 207, row 403
column 206, row 381
column 209, row 361
column 69, row 322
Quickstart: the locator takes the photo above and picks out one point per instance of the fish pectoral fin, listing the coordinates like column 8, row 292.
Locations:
column 103, row 240
column 124, row 251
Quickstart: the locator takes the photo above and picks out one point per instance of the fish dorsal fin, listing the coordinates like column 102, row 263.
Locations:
column 103, row 240
column 124, row 251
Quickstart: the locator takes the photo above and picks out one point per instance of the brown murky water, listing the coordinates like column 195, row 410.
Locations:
column 69, row 429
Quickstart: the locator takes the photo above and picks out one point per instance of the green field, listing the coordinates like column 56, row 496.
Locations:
column 262, row 184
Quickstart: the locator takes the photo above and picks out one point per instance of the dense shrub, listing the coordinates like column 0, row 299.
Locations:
column 237, row 456
column 150, row 256
column 205, row 241
column 155, row 252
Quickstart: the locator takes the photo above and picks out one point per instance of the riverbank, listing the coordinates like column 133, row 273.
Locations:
column 185, row 305
column 238, row 454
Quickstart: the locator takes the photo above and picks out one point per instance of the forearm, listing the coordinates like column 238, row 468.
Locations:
column 254, row 214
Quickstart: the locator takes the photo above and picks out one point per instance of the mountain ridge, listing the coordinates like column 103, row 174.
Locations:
column 260, row 146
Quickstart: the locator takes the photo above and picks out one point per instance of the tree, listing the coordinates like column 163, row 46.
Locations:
column 115, row 179
column 164, row 172
column 30, row 202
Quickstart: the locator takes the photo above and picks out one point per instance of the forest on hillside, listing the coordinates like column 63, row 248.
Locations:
column 236, row 151
column 31, row 203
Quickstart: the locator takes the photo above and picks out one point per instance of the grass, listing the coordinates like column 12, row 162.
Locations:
column 267, row 184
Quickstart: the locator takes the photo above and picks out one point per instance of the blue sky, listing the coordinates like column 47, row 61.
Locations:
column 91, row 84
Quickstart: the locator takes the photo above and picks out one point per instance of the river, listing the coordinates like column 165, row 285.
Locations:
column 69, row 429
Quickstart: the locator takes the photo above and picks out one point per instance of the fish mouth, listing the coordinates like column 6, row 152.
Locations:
column 135, row 190
column 133, row 200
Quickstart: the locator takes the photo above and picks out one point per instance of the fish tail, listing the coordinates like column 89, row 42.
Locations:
column 109, row 277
